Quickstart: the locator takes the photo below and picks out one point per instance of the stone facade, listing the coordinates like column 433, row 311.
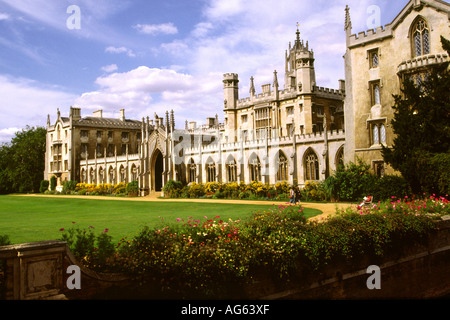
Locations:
column 376, row 62
column 298, row 133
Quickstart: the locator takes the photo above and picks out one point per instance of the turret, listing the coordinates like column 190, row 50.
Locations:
column 231, row 90
column 300, row 75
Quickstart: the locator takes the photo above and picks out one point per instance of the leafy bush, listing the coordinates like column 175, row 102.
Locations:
column 173, row 188
column 44, row 186
column 52, row 183
column 209, row 257
column 93, row 251
column 69, row 187
column 133, row 189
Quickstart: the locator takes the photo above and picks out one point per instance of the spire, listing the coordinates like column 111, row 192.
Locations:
column 172, row 121
column 275, row 80
column 297, row 40
column 348, row 21
column 252, row 87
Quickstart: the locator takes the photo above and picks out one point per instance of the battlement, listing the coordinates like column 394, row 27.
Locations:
column 230, row 76
column 370, row 35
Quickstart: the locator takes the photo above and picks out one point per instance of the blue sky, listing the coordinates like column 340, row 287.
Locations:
column 150, row 56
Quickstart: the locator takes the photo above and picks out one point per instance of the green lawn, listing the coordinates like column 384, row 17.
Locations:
column 29, row 219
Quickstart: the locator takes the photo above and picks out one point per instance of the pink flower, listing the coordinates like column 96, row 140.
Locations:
column 62, row 229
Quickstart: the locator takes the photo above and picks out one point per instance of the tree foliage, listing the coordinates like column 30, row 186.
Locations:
column 421, row 124
column 22, row 161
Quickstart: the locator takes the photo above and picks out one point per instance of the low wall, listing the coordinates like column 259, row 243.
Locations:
column 36, row 271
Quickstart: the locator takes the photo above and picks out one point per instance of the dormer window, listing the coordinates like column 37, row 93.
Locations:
column 421, row 38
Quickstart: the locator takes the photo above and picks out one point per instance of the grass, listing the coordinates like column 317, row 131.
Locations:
column 28, row 219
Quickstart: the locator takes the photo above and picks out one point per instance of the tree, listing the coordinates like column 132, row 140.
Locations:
column 22, row 161
column 421, row 124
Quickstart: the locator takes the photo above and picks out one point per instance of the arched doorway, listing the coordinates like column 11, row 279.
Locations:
column 157, row 166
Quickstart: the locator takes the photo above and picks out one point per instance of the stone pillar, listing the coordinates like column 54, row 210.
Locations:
column 34, row 271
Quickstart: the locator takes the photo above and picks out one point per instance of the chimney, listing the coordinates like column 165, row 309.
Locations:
column 122, row 114
column 98, row 113
column 342, row 85
column 75, row 113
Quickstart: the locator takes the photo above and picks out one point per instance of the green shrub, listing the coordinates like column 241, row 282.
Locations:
column 133, row 189
column 44, row 186
column 53, row 183
column 172, row 189
column 93, row 251
column 69, row 187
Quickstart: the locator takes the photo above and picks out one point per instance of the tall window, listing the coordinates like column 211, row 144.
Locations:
column 134, row 173
column 374, row 58
column 123, row 174
column 231, row 169
column 421, row 38
column 211, row 172
column 262, row 123
column 192, row 170
column 111, row 175
column 255, row 169
column 101, row 177
column 378, row 133
column 311, row 166
column 375, row 92
column 283, row 167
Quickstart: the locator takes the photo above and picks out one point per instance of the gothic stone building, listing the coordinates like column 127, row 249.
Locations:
column 377, row 62
column 298, row 133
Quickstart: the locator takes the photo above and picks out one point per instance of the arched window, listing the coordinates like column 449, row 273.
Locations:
column 311, row 166
column 111, row 175
column 92, row 175
column 340, row 157
column 211, row 171
column 192, row 171
column 123, row 174
column 134, row 173
column 420, row 38
column 283, row 167
column 231, row 169
column 101, row 177
column 83, row 176
column 255, row 168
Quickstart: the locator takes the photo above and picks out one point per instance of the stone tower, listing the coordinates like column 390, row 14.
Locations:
column 300, row 74
column 231, row 96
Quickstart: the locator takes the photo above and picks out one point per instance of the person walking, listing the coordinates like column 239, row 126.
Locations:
column 297, row 195
column 292, row 195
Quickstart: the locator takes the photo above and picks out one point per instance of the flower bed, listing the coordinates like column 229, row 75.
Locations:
column 212, row 258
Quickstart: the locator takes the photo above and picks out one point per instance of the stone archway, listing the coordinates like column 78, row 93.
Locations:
column 157, row 170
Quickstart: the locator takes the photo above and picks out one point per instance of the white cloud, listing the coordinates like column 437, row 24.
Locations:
column 27, row 102
column 154, row 29
column 4, row 16
column 110, row 68
column 118, row 50
column 144, row 91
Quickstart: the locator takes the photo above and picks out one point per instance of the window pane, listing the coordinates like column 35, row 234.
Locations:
column 376, row 137
column 418, row 43
column 376, row 94
column 383, row 133
column 426, row 42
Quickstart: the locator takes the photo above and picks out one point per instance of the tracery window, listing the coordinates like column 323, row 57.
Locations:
column 311, row 166
column 283, row 167
column 231, row 169
column 211, row 172
column 255, row 169
column 421, row 38
column 192, row 171
column 101, row 178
